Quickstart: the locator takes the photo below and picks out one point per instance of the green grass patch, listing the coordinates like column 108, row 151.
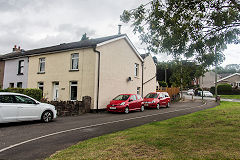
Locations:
column 208, row 134
column 230, row 96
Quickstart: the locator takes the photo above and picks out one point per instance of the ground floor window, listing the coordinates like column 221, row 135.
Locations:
column 138, row 90
column 73, row 90
column 19, row 84
column 40, row 85
column 11, row 85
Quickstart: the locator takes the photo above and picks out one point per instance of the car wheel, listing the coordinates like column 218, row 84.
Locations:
column 142, row 108
column 168, row 105
column 126, row 110
column 158, row 106
column 47, row 116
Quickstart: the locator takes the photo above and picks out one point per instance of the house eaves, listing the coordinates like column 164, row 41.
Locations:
column 228, row 77
column 124, row 36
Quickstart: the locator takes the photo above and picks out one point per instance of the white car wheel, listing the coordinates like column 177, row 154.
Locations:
column 47, row 116
column 158, row 106
column 126, row 110
column 142, row 108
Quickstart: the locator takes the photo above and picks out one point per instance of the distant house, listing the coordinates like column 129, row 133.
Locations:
column 149, row 74
column 2, row 65
column 233, row 80
column 16, row 69
column 100, row 68
column 208, row 80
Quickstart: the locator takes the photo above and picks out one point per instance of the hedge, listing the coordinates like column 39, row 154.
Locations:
column 31, row 92
column 224, row 89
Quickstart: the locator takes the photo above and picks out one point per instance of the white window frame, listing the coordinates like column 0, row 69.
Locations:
column 18, row 84
column 74, row 59
column 136, row 74
column 42, row 61
column 73, row 85
column 41, row 85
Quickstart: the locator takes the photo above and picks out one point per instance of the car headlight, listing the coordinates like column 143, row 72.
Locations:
column 153, row 101
column 123, row 103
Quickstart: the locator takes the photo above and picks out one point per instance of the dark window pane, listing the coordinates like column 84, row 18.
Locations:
column 6, row 99
column 73, row 92
column 22, row 99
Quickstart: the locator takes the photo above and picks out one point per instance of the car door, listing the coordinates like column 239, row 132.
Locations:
column 132, row 102
column 27, row 108
column 139, row 101
column 161, row 99
column 8, row 110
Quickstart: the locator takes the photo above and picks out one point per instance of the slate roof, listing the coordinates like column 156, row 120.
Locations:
column 61, row 47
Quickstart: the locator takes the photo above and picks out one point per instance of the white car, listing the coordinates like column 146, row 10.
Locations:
column 190, row 92
column 206, row 94
column 16, row 107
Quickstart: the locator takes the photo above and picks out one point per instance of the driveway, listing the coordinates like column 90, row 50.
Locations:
column 35, row 140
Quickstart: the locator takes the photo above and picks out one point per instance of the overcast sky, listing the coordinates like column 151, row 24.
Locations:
column 41, row 23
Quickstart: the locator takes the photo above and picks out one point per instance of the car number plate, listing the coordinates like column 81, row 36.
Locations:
column 112, row 107
column 145, row 104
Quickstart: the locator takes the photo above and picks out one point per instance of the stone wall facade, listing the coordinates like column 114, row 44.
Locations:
column 72, row 108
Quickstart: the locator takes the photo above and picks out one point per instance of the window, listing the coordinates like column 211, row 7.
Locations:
column 22, row 99
column 73, row 90
column 11, row 85
column 6, row 99
column 41, row 64
column 74, row 61
column 40, row 85
column 19, row 84
column 136, row 70
column 138, row 90
column 20, row 66
column 133, row 98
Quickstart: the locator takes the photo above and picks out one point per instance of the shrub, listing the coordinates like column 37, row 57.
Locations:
column 212, row 90
column 224, row 89
column 31, row 92
column 162, row 84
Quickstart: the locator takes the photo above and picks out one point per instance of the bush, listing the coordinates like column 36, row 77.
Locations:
column 162, row 84
column 34, row 93
column 212, row 90
column 224, row 89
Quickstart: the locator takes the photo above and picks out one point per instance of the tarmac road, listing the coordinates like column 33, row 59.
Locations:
column 36, row 140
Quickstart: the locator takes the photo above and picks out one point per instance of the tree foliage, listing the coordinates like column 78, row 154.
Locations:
column 84, row 37
column 190, row 28
column 229, row 69
column 177, row 70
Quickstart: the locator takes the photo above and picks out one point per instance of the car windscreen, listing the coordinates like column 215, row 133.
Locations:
column 151, row 95
column 121, row 97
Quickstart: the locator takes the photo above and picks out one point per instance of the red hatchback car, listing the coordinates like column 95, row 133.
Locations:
column 126, row 103
column 156, row 99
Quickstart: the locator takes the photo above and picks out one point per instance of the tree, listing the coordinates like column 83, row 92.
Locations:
column 84, row 37
column 190, row 28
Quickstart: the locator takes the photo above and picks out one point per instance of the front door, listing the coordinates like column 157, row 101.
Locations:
column 55, row 91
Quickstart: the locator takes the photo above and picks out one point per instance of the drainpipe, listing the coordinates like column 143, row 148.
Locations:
column 94, row 49
column 142, row 77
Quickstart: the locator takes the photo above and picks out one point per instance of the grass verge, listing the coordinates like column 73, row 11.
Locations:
column 208, row 134
column 230, row 96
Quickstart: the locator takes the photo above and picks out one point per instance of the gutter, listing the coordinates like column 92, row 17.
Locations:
column 98, row 83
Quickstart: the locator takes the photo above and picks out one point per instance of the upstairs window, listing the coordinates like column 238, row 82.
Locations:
column 74, row 61
column 136, row 70
column 20, row 66
column 41, row 64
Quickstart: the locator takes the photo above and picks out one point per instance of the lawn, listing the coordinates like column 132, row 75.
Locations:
column 230, row 96
column 208, row 134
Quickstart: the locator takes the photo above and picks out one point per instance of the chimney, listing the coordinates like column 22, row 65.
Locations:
column 119, row 28
column 15, row 48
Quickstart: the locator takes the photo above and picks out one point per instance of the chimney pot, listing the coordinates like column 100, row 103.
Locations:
column 119, row 28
